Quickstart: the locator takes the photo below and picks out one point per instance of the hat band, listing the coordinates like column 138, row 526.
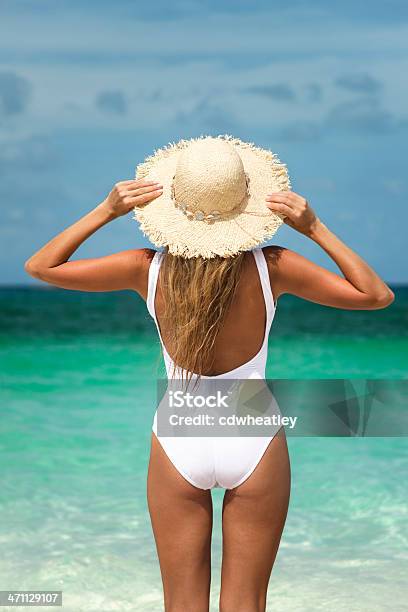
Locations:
column 212, row 215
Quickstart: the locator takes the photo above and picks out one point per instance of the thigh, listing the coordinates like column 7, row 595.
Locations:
column 254, row 515
column 181, row 516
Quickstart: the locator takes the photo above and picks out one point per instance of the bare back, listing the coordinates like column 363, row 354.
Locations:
column 242, row 333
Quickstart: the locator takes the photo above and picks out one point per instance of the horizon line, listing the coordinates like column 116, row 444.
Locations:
column 48, row 287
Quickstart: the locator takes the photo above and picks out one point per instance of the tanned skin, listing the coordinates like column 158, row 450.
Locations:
column 254, row 513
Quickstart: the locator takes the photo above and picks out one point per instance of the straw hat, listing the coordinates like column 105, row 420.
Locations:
column 213, row 200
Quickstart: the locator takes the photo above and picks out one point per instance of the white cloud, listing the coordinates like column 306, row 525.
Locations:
column 394, row 185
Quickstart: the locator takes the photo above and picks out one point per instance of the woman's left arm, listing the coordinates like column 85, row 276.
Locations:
column 360, row 288
column 110, row 273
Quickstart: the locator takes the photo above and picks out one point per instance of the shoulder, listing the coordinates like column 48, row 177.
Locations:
column 144, row 257
column 281, row 262
column 273, row 255
column 279, row 257
column 138, row 258
column 137, row 263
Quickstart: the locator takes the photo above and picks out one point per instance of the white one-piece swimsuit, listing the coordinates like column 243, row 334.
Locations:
column 208, row 462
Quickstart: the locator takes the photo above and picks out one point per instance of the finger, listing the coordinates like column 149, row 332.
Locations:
column 284, row 198
column 135, row 189
column 135, row 182
column 287, row 194
column 146, row 197
column 134, row 193
column 281, row 208
column 288, row 197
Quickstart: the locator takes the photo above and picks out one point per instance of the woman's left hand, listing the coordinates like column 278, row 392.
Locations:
column 298, row 213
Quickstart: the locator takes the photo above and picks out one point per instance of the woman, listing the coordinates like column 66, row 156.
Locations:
column 211, row 202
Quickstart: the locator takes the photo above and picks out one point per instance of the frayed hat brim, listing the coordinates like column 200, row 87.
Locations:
column 166, row 226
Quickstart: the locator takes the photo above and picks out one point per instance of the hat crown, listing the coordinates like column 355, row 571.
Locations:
column 210, row 175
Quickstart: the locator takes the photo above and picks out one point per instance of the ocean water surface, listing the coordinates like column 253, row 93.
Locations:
column 78, row 397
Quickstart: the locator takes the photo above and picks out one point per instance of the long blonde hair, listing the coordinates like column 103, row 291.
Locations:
column 197, row 294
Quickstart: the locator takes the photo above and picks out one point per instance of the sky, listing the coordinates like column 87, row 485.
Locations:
column 88, row 90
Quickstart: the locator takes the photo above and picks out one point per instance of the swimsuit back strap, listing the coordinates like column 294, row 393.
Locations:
column 265, row 282
column 152, row 283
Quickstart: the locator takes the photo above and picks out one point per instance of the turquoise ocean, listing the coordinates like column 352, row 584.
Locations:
column 78, row 396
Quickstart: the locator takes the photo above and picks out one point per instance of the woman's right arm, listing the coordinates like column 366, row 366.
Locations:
column 123, row 270
column 360, row 289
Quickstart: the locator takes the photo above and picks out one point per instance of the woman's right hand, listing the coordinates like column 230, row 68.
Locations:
column 125, row 195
